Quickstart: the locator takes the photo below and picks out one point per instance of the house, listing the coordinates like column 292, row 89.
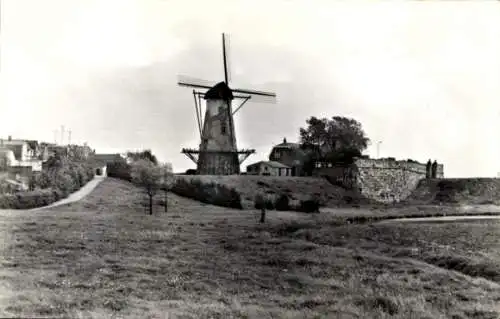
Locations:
column 269, row 168
column 21, row 153
column 16, row 165
column 290, row 155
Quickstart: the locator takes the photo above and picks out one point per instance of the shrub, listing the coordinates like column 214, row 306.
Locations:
column 58, row 194
column 348, row 199
column 98, row 171
column 119, row 169
column 259, row 202
column 41, row 180
column 263, row 184
column 64, row 182
column 8, row 201
column 309, row 205
column 209, row 193
column 28, row 200
column 55, row 182
column 282, row 203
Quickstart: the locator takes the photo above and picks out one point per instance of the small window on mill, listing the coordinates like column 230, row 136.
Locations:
column 223, row 128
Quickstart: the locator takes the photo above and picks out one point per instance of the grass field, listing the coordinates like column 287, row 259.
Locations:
column 104, row 256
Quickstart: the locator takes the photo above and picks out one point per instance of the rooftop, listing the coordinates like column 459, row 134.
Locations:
column 271, row 163
column 286, row 144
column 220, row 91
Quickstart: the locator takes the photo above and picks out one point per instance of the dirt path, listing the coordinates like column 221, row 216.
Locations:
column 76, row 196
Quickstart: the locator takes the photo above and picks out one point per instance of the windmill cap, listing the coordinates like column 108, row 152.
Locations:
column 220, row 91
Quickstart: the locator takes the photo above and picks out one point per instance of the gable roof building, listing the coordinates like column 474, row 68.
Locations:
column 290, row 154
column 270, row 168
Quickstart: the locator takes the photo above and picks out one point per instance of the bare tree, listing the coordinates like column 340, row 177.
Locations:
column 148, row 176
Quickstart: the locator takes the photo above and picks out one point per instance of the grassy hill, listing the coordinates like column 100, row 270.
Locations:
column 297, row 188
column 457, row 191
column 105, row 257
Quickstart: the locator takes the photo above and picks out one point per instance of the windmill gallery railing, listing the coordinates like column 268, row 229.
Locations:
column 190, row 152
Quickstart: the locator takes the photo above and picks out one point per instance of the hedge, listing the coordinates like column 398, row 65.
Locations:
column 50, row 186
column 209, row 193
column 119, row 169
column 32, row 199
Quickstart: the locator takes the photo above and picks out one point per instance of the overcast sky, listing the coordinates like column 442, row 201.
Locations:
column 423, row 77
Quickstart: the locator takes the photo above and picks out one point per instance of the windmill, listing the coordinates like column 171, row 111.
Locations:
column 218, row 153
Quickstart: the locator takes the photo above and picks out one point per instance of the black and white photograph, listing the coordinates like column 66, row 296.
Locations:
column 253, row 159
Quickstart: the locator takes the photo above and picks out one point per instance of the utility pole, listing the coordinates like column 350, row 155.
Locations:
column 378, row 148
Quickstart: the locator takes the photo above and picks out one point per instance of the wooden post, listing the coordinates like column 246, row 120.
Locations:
column 263, row 214
column 150, row 205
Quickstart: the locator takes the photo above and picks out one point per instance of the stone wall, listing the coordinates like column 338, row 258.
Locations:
column 388, row 180
column 384, row 180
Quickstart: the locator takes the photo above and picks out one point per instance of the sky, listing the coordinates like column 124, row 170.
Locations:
column 422, row 77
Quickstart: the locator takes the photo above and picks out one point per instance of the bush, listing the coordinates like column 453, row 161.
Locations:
column 282, row 203
column 55, row 182
column 98, row 171
column 64, row 182
column 259, row 202
column 8, row 201
column 209, row 193
column 309, row 205
column 119, row 169
column 269, row 204
column 28, row 200
column 262, row 201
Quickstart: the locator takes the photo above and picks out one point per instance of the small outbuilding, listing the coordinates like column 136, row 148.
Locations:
column 269, row 168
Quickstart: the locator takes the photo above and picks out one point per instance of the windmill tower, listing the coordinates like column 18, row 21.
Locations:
column 218, row 153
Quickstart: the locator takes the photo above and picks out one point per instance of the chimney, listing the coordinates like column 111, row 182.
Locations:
column 10, row 138
column 284, row 140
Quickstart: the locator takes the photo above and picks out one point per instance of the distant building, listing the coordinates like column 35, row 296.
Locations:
column 291, row 155
column 269, row 168
column 20, row 153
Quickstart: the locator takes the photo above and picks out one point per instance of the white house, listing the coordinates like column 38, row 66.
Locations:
column 20, row 153
column 269, row 168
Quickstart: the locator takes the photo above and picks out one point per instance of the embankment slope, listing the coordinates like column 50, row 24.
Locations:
column 457, row 191
column 297, row 188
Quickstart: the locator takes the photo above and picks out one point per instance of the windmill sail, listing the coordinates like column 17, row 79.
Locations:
column 227, row 58
column 194, row 82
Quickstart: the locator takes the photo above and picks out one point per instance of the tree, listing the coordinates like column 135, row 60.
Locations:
column 329, row 135
column 338, row 139
column 314, row 134
column 146, row 154
column 167, row 180
column 148, row 176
